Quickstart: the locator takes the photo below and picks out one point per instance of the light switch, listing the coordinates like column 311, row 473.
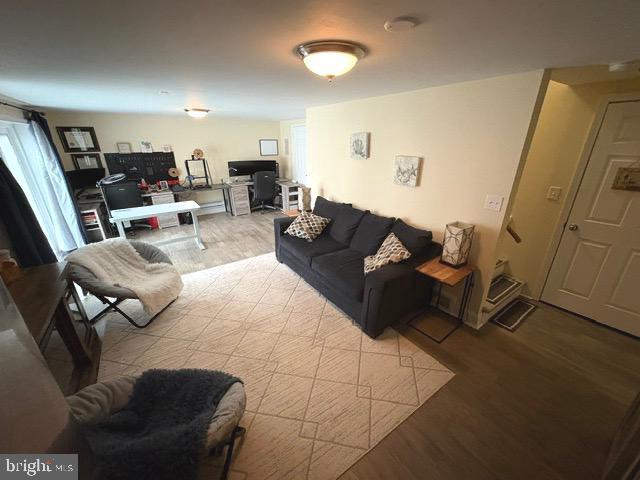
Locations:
column 554, row 193
column 493, row 202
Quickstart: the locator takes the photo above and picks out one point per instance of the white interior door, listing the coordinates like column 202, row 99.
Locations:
column 299, row 153
column 596, row 270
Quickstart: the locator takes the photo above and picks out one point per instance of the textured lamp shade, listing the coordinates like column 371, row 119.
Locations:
column 456, row 244
column 306, row 199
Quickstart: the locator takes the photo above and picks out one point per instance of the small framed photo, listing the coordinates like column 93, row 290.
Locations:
column 124, row 147
column 78, row 139
column 167, row 148
column 86, row 160
column 268, row 147
column 146, row 147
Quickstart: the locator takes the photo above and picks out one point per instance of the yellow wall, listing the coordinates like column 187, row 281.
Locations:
column 222, row 139
column 470, row 135
column 558, row 142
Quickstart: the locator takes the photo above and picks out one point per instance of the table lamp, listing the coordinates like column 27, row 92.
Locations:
column 456, row 244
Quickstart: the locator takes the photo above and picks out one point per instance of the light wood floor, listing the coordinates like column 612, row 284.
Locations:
column 228, row 239
column 541, row 403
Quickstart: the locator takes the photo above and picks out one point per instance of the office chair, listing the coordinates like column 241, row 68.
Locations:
column 264, row 190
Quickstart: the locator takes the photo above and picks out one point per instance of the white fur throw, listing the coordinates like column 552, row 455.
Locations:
column 116, row 262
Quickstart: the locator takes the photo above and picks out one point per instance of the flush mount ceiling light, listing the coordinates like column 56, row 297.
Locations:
column 197, row 112
column 330, row 58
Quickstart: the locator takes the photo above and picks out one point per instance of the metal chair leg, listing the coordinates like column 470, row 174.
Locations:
column 114, row 306
column 238, row 432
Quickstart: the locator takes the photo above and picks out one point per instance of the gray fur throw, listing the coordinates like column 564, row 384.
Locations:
column 161, row 433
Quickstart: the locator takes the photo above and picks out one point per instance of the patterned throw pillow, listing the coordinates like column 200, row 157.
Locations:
column 391, row 251
column 307, row 225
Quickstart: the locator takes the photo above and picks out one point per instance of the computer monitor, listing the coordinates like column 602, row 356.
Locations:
column 249, row 167
column 84, row 178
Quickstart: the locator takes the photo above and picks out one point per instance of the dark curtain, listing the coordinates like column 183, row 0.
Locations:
column 27, row 240
column 44, row 125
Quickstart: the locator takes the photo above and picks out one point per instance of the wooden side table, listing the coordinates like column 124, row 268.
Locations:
column 450, row 276
column 292, row 213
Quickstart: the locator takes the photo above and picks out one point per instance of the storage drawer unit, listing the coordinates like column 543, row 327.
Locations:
column 168, row 220
column 239, row 198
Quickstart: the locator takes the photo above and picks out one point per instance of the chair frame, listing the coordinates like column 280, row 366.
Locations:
column 238, row 432
column 113, row 306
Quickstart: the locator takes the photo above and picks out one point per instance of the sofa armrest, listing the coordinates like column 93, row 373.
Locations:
column 279, row 226
column 390, row 294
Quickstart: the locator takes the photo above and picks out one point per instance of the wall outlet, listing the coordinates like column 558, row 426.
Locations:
column 493, row 202
column 554, row 193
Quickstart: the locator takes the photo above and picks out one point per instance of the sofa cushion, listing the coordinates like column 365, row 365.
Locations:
column 345, row 224
column 414, row 239
column 304, row 251
column 343, row 271
column 327, row 208
column 371, row 232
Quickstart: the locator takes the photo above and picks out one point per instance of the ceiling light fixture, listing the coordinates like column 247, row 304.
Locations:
column 197, row 112
column 330, row 58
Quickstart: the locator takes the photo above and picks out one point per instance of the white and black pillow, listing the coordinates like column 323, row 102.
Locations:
column 307, row 225
column 391, row 251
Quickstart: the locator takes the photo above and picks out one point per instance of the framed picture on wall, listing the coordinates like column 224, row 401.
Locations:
column 86, row 160
column 124, row 147
column 268, row 147
column 78, row 139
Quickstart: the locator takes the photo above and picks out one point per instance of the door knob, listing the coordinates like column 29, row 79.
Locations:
column 573, row 227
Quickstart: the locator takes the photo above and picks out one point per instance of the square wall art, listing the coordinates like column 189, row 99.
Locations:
column 406, row 170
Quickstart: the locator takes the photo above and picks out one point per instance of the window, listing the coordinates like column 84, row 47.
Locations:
column 42, row 181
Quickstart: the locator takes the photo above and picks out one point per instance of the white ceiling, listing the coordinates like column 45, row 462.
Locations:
column 235, row 56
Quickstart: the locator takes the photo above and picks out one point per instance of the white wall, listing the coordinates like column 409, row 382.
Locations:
column 471, row 136
column 222, row 139
column 557, row 145
column 285, row 136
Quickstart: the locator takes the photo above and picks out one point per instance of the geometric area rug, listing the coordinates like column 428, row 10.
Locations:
column 320, row 393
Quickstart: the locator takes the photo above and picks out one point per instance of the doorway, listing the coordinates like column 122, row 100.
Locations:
column 299, row 153
column 596, row 268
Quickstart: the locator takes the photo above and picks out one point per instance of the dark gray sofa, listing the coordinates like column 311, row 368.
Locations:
column 334, row 264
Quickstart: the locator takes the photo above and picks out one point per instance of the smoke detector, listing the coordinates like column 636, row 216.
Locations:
column 401, row 24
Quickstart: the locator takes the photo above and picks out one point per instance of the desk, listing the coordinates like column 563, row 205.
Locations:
column 127, row 214
column 236, row 195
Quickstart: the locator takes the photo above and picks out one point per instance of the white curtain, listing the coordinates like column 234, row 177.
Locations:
column 46, row 188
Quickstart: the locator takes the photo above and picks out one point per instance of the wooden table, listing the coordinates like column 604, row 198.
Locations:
column 292, row 213
column 450, row 276
column 119, row 217
column 46, row 300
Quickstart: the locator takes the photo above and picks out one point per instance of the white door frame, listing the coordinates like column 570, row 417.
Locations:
column 581, row 168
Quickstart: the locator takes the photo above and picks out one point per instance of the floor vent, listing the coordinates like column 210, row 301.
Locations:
column 511, row 316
